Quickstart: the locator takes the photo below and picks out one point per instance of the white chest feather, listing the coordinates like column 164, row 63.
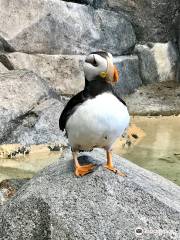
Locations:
column 98, row 122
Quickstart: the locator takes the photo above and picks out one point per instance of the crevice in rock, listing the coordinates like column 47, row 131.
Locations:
column 84, row 2
column 60, row 97
column 93, row 3
column 5, row 61
column 4, row 45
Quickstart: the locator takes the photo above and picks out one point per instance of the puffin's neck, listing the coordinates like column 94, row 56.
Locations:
column 97, row 86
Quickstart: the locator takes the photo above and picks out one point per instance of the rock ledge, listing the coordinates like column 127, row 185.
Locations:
column 57, row 205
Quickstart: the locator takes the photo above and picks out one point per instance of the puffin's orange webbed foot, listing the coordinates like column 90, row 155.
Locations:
column 109, row 165
column 84, row 169
column 115, row 170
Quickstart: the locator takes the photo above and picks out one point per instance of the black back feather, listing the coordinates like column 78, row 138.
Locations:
column 69, row 109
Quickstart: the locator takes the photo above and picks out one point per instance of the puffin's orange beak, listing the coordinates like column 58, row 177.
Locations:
column 116, row 75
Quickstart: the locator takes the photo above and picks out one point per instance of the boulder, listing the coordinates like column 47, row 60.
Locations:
column 152, row 19
column 162, row 98
column 129, row 76
column 58, row 27
column 157, row 62
column 63, row 73
column 41, row 125
column 20, row 91
column 176, row 31
column 177, row 42
column 57, row 205
column 148, row 68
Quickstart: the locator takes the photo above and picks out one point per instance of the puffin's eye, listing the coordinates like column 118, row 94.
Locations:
column 94, row 63
column 92, row 60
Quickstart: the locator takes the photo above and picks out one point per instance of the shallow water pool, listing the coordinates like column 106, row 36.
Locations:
column 159, row 149
column 156, row 149
column 26, row 166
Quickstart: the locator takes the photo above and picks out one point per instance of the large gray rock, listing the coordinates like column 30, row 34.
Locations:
column 57, row 27
column 57, row 205
column 148, row 68
column 129, row 76
column 177, row 42
column 20, row 91
column 157, row 62
column 176, row 30
column 162, row 98
column 41, row 125
column 152, row 19
column 63, row 73
column 3, row 69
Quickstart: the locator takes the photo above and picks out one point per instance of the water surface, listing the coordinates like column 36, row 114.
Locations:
column 157, row 149
column 26, row 166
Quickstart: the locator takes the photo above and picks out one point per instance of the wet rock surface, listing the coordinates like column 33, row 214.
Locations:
column 57, row 205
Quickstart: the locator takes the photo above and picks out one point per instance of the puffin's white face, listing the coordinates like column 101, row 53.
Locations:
column 100, row 64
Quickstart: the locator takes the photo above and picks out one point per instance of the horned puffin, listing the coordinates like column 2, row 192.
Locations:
column 96, row 116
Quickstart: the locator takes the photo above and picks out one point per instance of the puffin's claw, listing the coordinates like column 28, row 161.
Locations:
column 115, row 170
column 84, row 169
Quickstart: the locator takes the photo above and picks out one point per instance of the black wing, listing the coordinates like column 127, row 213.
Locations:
column 70, row 107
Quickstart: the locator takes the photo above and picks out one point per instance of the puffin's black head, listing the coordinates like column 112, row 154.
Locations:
column 100, row 65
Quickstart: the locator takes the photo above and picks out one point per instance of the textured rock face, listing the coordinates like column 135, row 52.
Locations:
column 19, row 93
column 93, row 3
column 8, row 188
column 156, row 99
column 3, row 69
column 176, row 30
column 177, row 41
column 64, row 74
column 57, row 27
column 148, row 68
column 57, row 205
column 157, row 62
column 29, row 113
column 129, row 78
column 41, row 125
column 152, row 19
